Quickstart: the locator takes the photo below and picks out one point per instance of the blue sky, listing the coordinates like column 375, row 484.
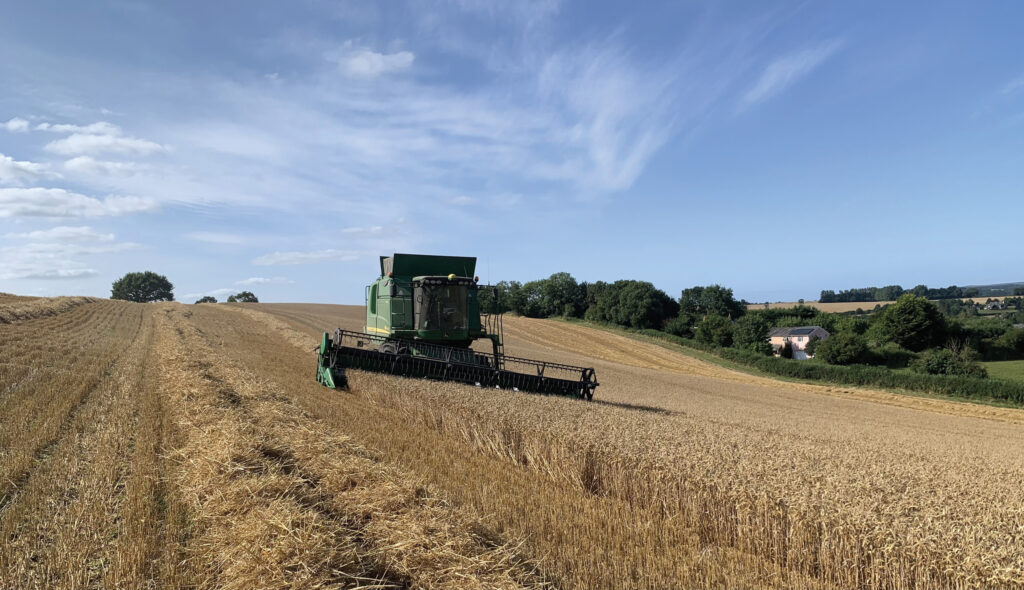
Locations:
column 775, row 148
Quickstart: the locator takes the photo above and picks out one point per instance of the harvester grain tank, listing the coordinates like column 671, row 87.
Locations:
column 422, row 317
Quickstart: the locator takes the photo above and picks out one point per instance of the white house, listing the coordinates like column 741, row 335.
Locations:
column 797, row 337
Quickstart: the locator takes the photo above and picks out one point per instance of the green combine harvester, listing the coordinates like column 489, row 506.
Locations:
column 422, row 316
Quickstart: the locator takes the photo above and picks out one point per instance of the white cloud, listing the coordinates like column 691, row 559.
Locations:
column 460, row 200
column 88, row 165
column 83, row 143
column 787, row 70
column 53, row 273
column 288, row 258
column 57, row 202
column 265, row 281
column 359, row 62
column 64, row 250
column 364, row 231
column 16, row 172
column 15, row 125
column 98, row 128
column 65, row 233
column 216, row 238
column 213, row 293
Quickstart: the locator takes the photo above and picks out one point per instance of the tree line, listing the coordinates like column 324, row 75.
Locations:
column 894, row 292
column 945, row 337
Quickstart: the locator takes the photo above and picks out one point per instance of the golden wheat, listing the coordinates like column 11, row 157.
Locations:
column 842, row 491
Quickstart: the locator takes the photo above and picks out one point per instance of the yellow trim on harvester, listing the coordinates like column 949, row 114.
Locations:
column 377, row 330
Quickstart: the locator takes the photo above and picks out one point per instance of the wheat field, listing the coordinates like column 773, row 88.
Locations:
column 173, row 446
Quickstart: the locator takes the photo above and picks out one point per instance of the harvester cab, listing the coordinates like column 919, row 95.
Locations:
column 423, row 314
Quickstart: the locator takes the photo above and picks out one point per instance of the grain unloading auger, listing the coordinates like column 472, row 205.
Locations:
column 422, row 316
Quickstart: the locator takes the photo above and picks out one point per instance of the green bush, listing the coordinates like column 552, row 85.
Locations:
column 845, row 348
column 679, row 326
column 859, row 375
column 947, row 361
column 716, row 330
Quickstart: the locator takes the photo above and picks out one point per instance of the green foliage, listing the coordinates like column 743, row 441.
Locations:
column 786, row 350
column 635, row 304
column 750, row 332
column 913, row 322
column 680, row 326
column 844, row 348
column 499, row 298
column 812, row 345
column 142, row 287
column 957, row 308
column 954, row 360
column 892, row 292
column 243, row 297
column 865, row 376
column 861, row 375
column 207, row 299
column 713, row 299
column 557, row 295
column 716, row 330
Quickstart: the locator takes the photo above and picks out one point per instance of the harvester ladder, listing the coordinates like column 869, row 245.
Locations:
column 494, row 326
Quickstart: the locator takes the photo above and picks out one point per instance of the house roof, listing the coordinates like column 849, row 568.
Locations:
column 798, row 331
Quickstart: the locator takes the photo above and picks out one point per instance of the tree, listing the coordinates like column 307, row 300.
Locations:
column 636, row 304
column 207, row 299
column 142, row 287
column 845, row 348
column 812, row 345
column 243, row 297
column 913, row 322
column 786, row 351
column 750, row 332
column 715, row 329
column 713, row 299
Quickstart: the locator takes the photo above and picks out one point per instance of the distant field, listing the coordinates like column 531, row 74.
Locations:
column 1006, row 370
column 843, row 306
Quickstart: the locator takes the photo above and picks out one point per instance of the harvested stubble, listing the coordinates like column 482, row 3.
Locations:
column 281, row 500
column 132, row 455
column 80, row 472
column 16, row 309
column 844, row 492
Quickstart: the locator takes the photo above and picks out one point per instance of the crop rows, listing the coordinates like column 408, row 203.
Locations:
column 896, row 504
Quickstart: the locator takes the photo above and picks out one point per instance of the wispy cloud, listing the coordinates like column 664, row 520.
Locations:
column 17, row 172
column 65, row 233
column 212, row 293
column 91, row 166
column 361, row 62
column 84, row 143
column 15, row 125
column 374, row 230
column 97, row 128
column 54, row 253
column 788, row 70
column 291, row 258
column 217, row 238
column 58, row 202
column 264, row 281
column 460, row 200
column 49, row 274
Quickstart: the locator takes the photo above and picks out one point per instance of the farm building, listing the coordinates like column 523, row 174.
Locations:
column 797, row 337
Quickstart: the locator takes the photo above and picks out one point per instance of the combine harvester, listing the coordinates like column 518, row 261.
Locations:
column 422, row 317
